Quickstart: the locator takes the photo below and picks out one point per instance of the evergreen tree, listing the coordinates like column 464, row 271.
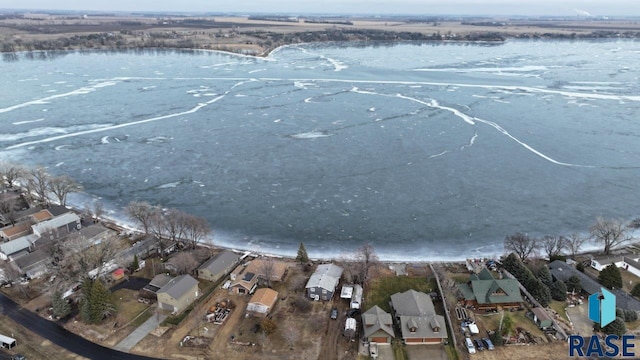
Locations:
column 61, row 307
column 136, row 263
column 630, row 315
column 617, row 327
column 302, row 257
column 96, row 304
column 540, row 292
column 507, row 324
column 545, row 275
column 610, row 277
column 580, row 267
column 636, row 290
column 558, row 291
column 574, row 284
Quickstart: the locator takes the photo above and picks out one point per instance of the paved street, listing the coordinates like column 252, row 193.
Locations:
column 59, row 335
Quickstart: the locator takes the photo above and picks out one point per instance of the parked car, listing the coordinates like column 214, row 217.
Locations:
column 479, row 344
column 334, row 313
column 488, row 343
column 470, row 347
column 18, row 357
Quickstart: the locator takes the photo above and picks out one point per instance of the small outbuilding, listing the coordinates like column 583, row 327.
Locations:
column 262, row 302
column 542, row 318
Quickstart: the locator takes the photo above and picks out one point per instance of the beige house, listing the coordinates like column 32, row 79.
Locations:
column 274, row 269
column 178, row 293
column 218, row 266
column 245, row 283
column 262, row 302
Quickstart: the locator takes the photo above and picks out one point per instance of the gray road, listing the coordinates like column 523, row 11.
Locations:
column 59, row 335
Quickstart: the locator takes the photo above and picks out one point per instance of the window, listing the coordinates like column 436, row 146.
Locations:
column 324, row 291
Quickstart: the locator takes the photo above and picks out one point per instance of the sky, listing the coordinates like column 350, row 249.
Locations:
column 418, row 7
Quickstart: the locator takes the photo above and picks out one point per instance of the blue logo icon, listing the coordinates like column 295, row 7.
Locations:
column 602, row 307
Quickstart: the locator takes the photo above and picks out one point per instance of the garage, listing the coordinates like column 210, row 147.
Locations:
column 380, row 339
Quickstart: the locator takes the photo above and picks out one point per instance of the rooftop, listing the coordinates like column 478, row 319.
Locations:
column 220, row 262
column 178, row 286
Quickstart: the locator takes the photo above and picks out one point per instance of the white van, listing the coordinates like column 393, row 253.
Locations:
column 470, row 347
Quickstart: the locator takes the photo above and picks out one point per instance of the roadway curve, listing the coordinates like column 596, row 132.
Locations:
column 61, row 336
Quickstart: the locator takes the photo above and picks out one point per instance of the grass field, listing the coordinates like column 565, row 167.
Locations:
column 559, row 306
column 381, row 289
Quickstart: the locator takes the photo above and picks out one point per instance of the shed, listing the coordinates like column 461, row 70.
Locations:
column 118, row 274
column 542, row 318
column 262, row 302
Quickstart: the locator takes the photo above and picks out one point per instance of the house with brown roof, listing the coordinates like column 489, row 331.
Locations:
column 378, row 326
column 41, row 216
column 262, row 302
column 274, row 269
column 13, row 232
column 245, row 283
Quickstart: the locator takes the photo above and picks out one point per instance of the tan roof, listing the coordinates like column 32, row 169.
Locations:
column 258, row 266
column 265, row 296
column 42, row 215
column 11, row 231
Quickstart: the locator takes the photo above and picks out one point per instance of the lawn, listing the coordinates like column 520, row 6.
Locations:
column 128, row 305
column 381, row 289
column 520, row 320
column 559, row 307
column 628, row 280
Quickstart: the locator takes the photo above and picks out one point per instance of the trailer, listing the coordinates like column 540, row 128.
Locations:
column 7, row 342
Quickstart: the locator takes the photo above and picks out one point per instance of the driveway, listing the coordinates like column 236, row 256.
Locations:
column 421, row 352
column 385, row 352
column 138, row 334
column 134, row 283
column 580, row 318
column 59, row 335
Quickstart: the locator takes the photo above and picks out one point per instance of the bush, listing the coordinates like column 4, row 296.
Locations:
column 302, row 304
column 630, row 315
column 636, row 290
column 610, row 277
column 574, row 284
column 580, row 267
column 558, row 291
column 268, row 326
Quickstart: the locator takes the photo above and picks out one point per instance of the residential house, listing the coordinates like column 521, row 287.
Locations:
column 562, row 271
column 416, row 318
column 157, row 283
column 322, row 284
column 484, row 292
column 14, row 249
column 42, row 215
column 377, row 326
column 178, row 293
column 245, row 283
column 542, row 318
column 631, row 264
column 262, row 302
column 274, row 269
column 34, row 265
column 59, row 225
column 626, row 261
column 218, row 266
column 13, row 232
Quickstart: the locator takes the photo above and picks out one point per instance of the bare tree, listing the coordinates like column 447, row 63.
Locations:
column 553, row 245
column 610, row 232
column 141, row 212
column 574, row 243
column 156, row 227
column 38, row 183
column 61, row 186
column 195, row 229
column 520, row 244
column 80, row 256
column 290, row 334
column 174, row 222
column 184, row 263
column 11, row 173
column 8, row 209
column 11, row 272
column 267, row 269
column 98, row 211
column 366, row 257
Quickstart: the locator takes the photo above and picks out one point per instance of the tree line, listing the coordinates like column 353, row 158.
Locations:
column 610, row 233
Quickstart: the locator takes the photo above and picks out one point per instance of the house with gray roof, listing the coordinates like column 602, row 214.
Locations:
column 218, row 266
column 178, row 293
column 562, row 271
column 18, row 247
column 34, row 265
column 322, row 284
column 484, row 292
column 157, row 283
column 416, row 318
column 61, row 225
column 377, row 326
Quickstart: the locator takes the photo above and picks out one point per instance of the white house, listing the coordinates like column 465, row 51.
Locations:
column 601, row 262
